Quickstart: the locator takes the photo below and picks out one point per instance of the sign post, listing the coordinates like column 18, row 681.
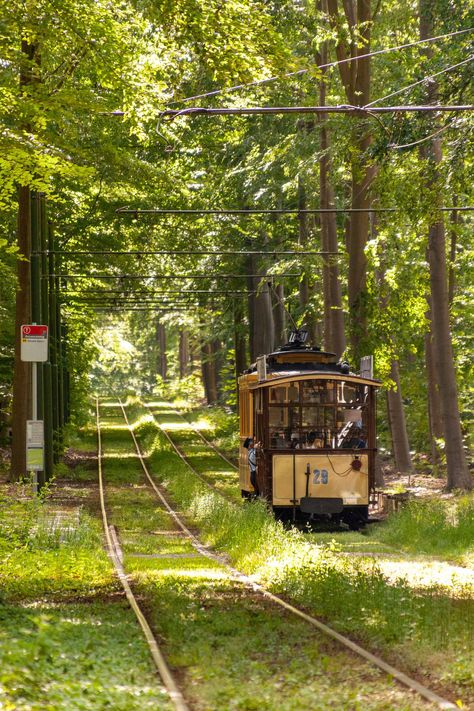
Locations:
column 34, row 349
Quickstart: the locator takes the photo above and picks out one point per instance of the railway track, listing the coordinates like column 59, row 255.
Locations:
column 348, row 644
column 115, row 555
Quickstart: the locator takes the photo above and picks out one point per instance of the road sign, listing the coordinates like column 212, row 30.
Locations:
column 34, row 343
column 34, row 446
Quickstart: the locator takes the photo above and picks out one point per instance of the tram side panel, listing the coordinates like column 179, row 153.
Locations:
column 331, row 480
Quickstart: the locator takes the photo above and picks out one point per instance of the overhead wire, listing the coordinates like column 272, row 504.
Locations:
column 428, row 77
column 300, row 72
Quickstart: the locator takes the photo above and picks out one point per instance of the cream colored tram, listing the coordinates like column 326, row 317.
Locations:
column 315, row 422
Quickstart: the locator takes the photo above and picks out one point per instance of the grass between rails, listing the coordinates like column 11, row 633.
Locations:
column 431, row 629
column 233, row 649
column 68, row 639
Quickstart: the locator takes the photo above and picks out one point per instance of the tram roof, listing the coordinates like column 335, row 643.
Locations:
column 281, row 377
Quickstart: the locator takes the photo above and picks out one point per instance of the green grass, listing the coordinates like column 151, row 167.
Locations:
column 351, row 593
column 75, row 656
column 205, row 461
column 435, row 527
column 68, row 639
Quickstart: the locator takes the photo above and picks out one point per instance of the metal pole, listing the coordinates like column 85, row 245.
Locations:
column 47, row 375
column 53, row 346
column 34, row 414
column 36, row 303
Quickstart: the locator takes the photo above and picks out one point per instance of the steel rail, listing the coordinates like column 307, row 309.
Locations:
column 246, row 580
column 210, row 444
column 158, row 658
column 179, row 453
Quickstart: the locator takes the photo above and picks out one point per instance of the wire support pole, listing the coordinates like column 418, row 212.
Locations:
column 353, row 111
column 170, row 276
column 191, row 252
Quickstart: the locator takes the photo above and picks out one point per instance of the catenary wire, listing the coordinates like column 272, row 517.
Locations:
column 300, row 72
column 428, row 77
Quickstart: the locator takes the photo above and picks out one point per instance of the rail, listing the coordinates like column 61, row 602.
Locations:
column 395, row 673
column 113, row 550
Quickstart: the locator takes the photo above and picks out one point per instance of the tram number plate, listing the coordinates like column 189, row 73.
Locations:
column 320, row 476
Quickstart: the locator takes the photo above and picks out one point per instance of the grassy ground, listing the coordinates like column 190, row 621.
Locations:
column 429, row 628
column 230, row 648
column 68, row 639
column 73, row 643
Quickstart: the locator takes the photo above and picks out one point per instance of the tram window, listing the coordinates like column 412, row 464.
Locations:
column 283, row 423
column 293, row 393
column 278, row 394
column 277, row 416
column 352, row 427
column 351, row 393
column 318, row 391
column 312, row 416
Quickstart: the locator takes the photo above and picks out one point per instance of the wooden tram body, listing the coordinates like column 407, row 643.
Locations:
column 315, row 422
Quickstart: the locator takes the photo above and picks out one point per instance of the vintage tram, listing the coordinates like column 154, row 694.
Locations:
column 314, row 425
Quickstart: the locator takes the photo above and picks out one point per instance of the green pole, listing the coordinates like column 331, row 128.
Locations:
column 53, row 345
column 60, row 355
column 47, row 376
column 35, row 267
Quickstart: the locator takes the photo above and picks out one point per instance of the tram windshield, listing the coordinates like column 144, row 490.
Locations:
column 316, row 414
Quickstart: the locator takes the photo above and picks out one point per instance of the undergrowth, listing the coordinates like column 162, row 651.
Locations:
column 433, row 526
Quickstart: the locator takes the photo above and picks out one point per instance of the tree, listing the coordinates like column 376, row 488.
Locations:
column 458, row 474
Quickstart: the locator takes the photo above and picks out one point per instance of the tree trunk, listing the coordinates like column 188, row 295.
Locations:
column 306, row 290
column 240, row 346
column 162, row 360
column 458, row 474
column 334, row 336
column 21, row 406
column 279, row 316
column 355, row 77
column 183, row 354
column 396, row 413
column 434, row 404
column 452, row 251
column 260, row 304
column 208, row 373
column 217, row 352
column 21, row 373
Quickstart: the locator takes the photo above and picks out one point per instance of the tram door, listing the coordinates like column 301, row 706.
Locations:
column 260, row 436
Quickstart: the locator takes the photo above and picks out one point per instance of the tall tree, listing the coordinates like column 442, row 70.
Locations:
column 458, row 474
column 355, row 77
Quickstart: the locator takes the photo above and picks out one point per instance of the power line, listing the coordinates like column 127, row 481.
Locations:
column 168, row 276
column 350, row 110
column 190, row 252
column 420, row 81
column 158, row 291
column 262, row 211
column 300, row 72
